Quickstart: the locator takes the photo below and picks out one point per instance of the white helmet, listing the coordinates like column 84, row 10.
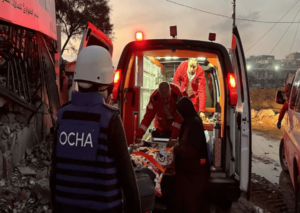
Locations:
column 94, row 65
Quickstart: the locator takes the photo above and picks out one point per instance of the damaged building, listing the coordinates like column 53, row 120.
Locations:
column 29, row 100
column 264, row 71
column 29, row 97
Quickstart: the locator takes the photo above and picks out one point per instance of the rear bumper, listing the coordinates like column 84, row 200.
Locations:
column 220, row 188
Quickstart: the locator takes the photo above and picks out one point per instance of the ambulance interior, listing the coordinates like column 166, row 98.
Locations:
column 146, row 69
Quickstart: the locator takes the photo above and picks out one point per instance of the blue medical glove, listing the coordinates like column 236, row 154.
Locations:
column 279, row 124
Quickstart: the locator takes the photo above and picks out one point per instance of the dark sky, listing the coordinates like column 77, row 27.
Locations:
column 154, row 17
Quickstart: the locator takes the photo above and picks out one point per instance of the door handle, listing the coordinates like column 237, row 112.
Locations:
column 129, row 89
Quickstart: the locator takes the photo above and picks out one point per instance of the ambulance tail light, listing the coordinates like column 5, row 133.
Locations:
column 117, row 76
column 139, row 36
column 232, row 89
column 116, row 84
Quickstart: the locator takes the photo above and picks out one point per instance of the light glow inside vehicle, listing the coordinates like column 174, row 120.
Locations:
column 201, row 58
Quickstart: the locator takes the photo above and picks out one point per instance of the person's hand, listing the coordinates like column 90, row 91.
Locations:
column 177, row 142
column 171, row 143
column 138, row 141
column 279, row 124
column 202, row 116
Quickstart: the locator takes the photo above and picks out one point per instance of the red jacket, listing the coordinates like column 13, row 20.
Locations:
column 284, row 109
column 155, row 110
column 198, row 85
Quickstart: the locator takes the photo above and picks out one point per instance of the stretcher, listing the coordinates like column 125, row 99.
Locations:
column 150, row 160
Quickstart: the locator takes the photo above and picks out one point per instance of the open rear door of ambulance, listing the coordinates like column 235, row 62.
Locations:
column 93, row 36
column 244, row 136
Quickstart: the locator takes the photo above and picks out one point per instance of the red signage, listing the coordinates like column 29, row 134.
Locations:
column 38, row 15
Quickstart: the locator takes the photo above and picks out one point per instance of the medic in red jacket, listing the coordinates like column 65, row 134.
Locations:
column 287, row 91
column 162, row 107
column 192, row 79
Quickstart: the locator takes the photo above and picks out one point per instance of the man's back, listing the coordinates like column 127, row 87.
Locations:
column 85, row 172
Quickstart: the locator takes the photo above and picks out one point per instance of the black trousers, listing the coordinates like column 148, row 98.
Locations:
column 188, row 194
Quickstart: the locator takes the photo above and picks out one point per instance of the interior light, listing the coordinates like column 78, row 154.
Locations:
column 201, row 58
column 248, row 67
column 175, row 57
column 168, row 57
column 158, row 58
column 139, row 36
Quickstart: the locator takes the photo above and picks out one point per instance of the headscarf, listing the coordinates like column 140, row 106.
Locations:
column 186, row 109
column 192, row 120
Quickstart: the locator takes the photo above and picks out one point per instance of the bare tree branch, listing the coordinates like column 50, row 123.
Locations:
column 73, row 15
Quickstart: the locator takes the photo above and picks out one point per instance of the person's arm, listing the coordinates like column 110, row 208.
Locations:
column 197, row 142
column 148, row 118
column 177, row 119
column 282, row 111
column 201, row 91
column 177, row 77
column 176, row 126
column 117, row 147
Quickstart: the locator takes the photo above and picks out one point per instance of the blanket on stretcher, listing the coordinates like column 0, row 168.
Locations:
column 157, row 160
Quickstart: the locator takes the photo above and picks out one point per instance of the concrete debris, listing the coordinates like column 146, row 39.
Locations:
column 264, row 99
column 266, row 120
column 42, row 173
column 253, row 113
column 26, row 170
column 7, row 163
column 265, row 113
column 42, row 187
column 1, row 165
column 26, row 189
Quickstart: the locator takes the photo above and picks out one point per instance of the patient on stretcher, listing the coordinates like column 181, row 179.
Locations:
column 156, row 159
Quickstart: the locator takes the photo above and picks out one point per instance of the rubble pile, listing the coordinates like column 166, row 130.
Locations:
column 265, row 111
column 264, row 99
column 27, row 189
column 266, row 120
column 10, row 124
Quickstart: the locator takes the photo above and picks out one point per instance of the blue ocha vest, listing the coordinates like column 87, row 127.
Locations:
column 86, row 176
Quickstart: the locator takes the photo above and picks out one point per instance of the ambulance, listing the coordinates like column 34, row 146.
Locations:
column 144, row 63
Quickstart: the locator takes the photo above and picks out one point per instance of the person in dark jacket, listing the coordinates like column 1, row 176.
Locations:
column 191, row 162
column 90, row 160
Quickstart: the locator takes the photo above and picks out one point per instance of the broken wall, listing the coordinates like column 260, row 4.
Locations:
column 29, row 98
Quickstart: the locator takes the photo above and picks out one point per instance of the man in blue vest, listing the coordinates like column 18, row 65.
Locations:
column 90, row 161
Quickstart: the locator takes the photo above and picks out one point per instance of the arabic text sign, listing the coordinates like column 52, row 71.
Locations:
column 38, row 15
